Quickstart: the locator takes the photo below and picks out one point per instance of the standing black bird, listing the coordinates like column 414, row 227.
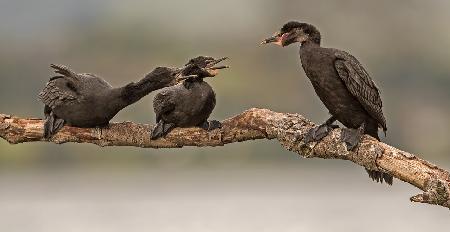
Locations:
column 190, row 102
column 86, row 100
column 341, row 83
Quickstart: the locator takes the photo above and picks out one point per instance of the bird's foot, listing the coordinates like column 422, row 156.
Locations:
column 351, row 137
column 161, row 129
column 211, row 125
column 318, row 133
column 52, row 125
column 99, row 129
column 214, row 124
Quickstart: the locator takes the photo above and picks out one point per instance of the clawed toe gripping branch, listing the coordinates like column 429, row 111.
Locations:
column 288, row 129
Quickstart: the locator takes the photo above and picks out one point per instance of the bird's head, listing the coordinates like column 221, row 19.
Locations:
column 294, row 32
column 201, row 67
column 166, row 76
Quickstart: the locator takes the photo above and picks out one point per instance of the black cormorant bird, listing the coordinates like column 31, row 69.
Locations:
column 86, row 100
column 341, row 83
column 189, row 103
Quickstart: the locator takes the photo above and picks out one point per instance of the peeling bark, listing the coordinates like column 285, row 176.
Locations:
column 252, row 124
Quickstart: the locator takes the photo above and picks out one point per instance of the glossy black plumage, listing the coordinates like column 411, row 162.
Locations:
column 187, row 104
column 86, row 100
column 344, row 87
column 341, row 83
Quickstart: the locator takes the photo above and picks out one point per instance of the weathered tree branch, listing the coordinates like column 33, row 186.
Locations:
column 253, row 124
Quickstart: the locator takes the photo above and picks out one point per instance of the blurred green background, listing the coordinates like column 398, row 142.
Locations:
column 251, row 186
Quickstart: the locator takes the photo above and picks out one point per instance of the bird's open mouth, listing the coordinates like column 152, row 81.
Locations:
column 211, row 67
column 201, row 67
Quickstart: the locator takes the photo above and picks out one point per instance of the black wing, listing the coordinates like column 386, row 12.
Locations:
column 52, row 95
column 163, row 104
column 60, row 90
column 360, row 84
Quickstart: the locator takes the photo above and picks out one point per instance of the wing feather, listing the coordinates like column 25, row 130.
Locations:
column 163, row 103
column 360, row 84
column 54, row 96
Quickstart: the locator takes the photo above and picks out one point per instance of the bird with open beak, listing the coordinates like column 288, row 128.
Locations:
column 87, row 100
column 191, row 101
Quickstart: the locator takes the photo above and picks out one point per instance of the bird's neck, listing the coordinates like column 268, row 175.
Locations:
column 307, row 49
column 188, row 84
column 133, row 92
column 309, row 44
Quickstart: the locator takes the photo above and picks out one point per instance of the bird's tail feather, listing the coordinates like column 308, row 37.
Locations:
column 380, row 176
column 65, row 71
column 372, row 130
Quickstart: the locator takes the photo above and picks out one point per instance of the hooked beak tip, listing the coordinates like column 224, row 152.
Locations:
column 275, row 39
column 267, row 41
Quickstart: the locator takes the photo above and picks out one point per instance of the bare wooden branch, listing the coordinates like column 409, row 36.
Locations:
column 253, row 124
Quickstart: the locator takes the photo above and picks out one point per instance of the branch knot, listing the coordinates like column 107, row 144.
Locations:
column 437, row 193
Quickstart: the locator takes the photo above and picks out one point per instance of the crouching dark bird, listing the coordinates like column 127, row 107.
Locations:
column 341, row 83
column 189, row 103
column 86, row 100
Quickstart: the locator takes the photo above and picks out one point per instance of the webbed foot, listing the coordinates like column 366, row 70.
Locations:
column 161, row 129
column 99, row 129
column 351, row 137
column 211, row 125
column 52, row 125
column 319, row 132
